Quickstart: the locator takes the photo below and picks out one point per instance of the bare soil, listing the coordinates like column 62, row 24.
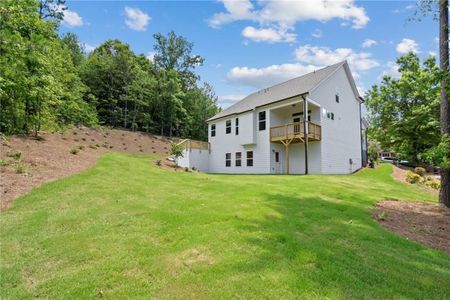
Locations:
column 61, row 154
column 426, row 223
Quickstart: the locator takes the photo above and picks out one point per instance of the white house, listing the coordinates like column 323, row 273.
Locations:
column 309, row 124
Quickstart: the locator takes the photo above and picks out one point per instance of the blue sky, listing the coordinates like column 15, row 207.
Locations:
column 250, row 45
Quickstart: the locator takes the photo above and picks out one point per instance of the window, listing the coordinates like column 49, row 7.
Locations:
column 249, row 158
column 337, row 97
column 238, row 159
column 237, row 126
column 227, row 159
column 330, row 115
column 213, row 129
column 262, row 120
column 301, row 118
column 277, row 156
column 228, row 127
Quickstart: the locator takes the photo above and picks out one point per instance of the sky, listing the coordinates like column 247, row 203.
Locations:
column 249, row 45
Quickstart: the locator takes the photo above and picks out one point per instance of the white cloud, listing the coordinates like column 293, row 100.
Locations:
column 284, row 14
column 227, row 100
column 358, row 61
column 150, row 55
column 270, row 35
column 136, row 19
column 410, row 7
column 267, row 76
column 406, row 46
column 368, row 43
column 432, row 53
column 71, row 18
column 317, row 33
column 88, row 48
column 391, row 70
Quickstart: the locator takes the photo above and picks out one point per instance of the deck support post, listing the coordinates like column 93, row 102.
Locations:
column 305, row 131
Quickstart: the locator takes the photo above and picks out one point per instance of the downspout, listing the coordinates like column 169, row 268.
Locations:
column 305, row 131
column 360, row 131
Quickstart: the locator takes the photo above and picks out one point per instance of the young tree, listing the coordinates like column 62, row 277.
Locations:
column 176, row 150
column 70, row 40
column 404, row 112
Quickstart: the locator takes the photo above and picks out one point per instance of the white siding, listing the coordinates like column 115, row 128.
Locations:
column 195, row 158
column 341, row 136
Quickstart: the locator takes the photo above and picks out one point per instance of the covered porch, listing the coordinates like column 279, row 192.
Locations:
column 297, row 122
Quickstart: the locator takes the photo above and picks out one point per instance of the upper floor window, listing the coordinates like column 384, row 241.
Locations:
column 213, row 129
column 337, row 97
column 330, row 115
column 238, row 159
column 237, row 126
column 262, row 120
column 249, row 158
column 228, row 126
column 227, row 159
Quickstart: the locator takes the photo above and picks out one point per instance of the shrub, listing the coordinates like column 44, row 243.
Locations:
column 186, row 169
column 3, row 162
column 92, row 147
column 74, row 151
column 15, row 154
column 83, row 139
column 81, row 147
column 20, row 168
column 419, row 171
column 412, row 177
column 435, row 184
column 158, row 163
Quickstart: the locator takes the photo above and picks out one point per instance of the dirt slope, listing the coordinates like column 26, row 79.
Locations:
column 61, row 154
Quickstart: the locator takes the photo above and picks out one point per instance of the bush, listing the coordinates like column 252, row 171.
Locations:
column 158, row 163
column 20, row 168
column 81, row 147
column 433, row 184
column 15, row 154
column 92, row 146
column 74, row 151
column 3, row 162
column 412, row 177
column 419, row 171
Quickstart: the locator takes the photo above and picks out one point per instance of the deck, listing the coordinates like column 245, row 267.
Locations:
column 294, row 133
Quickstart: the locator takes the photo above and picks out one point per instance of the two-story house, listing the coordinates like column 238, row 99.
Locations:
column 309, row 124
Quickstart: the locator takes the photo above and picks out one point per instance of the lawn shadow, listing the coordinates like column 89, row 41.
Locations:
column 334, row 249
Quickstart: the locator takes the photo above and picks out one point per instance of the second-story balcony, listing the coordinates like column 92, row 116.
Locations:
column 295, row 133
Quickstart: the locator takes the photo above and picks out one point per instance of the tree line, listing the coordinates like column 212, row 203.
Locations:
column 47, row 81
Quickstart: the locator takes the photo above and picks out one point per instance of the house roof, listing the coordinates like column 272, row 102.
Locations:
column 293, row 87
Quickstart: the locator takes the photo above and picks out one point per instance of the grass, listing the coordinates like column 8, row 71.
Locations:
column 128, row 229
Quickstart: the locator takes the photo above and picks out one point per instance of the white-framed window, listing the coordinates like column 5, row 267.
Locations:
column 227, row 159
column 213, row 129
column 238, row 161
column 337, row 97
column 249, row 158
column 228, row 126
column 262, row 120
column 236, row 125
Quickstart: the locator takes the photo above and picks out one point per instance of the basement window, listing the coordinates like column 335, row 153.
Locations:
column 227, row 159
column 237, row 126
column 238, row 159
column 249, row 158
column 228, row 126
column 262, row 120
column 213, row 129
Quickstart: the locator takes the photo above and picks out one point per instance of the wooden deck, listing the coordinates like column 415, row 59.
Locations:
column 294, row 133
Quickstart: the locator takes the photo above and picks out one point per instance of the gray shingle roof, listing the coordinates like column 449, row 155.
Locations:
column 293, row 87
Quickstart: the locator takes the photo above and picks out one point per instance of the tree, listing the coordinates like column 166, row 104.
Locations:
column 441, row 10
column 52, row 9
column 444, row 194
column 404, row 112
column 70, row 40
column 175, row 53
column 176, row 150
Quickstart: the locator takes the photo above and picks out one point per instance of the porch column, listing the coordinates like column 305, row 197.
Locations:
column 305, row 131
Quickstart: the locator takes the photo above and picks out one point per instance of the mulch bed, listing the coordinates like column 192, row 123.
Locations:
column 426, row 223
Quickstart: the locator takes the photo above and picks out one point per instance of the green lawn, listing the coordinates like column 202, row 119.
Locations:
column 125, row 228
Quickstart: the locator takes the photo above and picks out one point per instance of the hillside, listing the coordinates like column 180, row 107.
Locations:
column 28, row 163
